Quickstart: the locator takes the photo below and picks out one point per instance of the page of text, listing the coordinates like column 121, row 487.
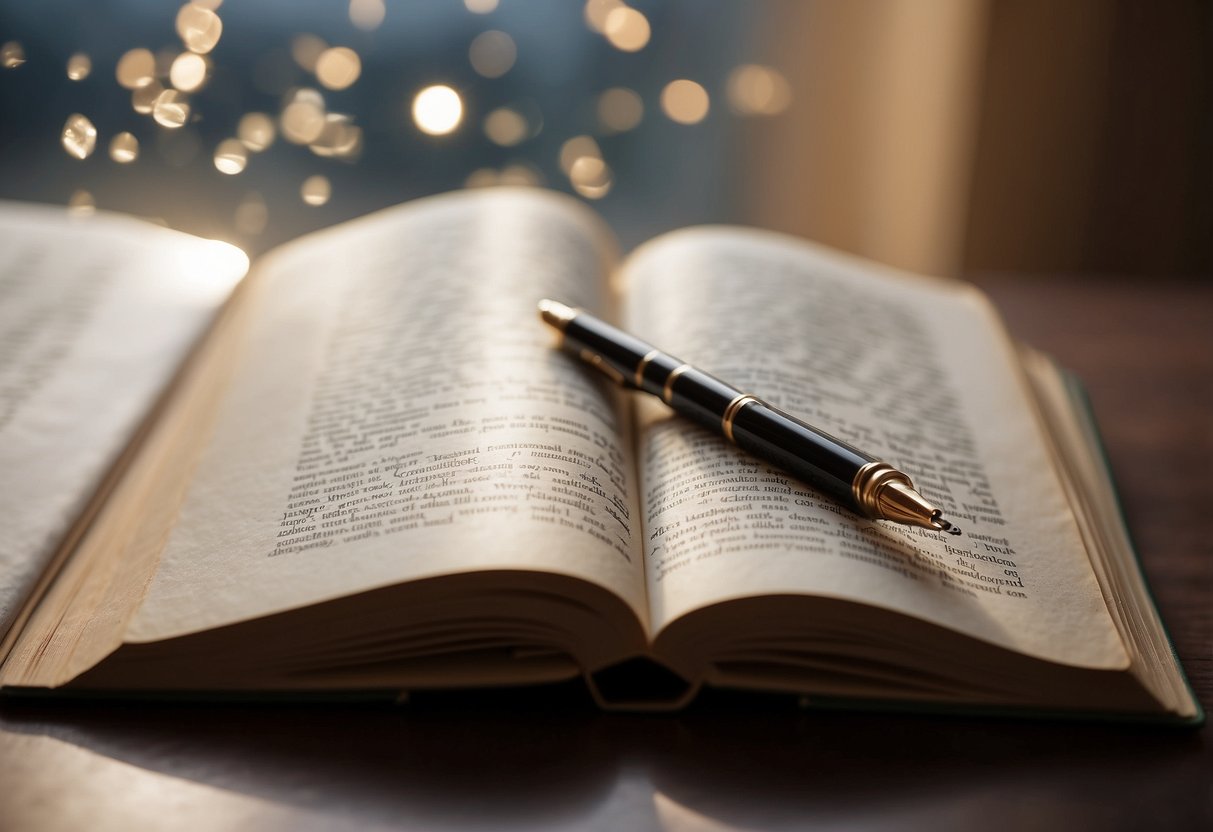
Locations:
column 96, row 313
column 912, row 370
column 403, row 414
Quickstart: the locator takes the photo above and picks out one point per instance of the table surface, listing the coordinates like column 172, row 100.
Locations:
column 1144, row 348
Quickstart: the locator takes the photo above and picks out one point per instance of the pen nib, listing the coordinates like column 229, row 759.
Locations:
column 944, row 525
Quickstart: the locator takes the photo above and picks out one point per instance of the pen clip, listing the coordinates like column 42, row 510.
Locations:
column 598, row 361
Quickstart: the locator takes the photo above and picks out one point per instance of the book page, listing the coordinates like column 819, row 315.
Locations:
column 913, row 370
column 96, row 314
column 402, row 414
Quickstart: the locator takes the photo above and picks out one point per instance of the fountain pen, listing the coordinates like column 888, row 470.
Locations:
column 855, row 479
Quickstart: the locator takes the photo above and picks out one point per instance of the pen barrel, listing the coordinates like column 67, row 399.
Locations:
column 618, row 353
column 820, row 460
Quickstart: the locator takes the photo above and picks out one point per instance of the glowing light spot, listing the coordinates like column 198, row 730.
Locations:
column 209, row 4
column 303, row 118
column 591, row 177
column 124, row 148
column 306, row 50
column 81, row 203
column 754, row 90
column 492, row 54
column 188, row 71
column 520, row 175
column 136, row 68
column 316, row 190
column 627, row 29
column 143, row 99
column 505, row 127
column 685, row 101
column 437, row 110
column 255, row 131
column 338, row 67
column 230, row 157
column 79, row 136
column 12, row 54
column 481, row 178
column 252, row 214
column 198, row 27
column 339, row 138
column 367, row 14
column 619, row 110
column 576, row 148
column 597, row 11
column 79, row 66
column 480, row 6
column 172, row 109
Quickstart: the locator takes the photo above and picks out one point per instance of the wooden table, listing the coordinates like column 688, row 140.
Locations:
column 1145, row 351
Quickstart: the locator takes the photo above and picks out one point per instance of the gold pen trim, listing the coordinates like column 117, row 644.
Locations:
column 730, row 413
column 644, row 362
column 667, row 392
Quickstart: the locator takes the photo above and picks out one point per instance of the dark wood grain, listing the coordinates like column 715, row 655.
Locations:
column 1144, row 350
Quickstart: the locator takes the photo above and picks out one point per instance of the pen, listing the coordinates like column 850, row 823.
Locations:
column 856, row 479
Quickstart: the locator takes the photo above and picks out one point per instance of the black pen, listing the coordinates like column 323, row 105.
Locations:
column 856, row 479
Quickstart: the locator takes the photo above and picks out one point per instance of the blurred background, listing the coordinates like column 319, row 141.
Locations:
column 949, row 136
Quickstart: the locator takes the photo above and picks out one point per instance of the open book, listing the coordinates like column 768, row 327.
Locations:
column 375, row 473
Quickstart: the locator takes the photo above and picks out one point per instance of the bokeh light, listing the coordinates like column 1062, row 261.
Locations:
column 338, row 67
column 505, row 127
column 188, row 72
column 198, row 27
column 231, row 156
column 81, row 203
column 79, row 66
column 255, row 131
column 627, row 29
column 367, row 15
column 619, row 109
column 685, row 102
column 480, row 6
column 12, row 54
column 492, row 53
column 136, row 68
column 124, row 148
column 172, row 109
column 437, row 110
column 316, row 190
column 79, row 136
column 754, row 90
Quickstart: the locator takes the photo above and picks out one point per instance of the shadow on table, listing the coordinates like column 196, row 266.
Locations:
column 523, row 758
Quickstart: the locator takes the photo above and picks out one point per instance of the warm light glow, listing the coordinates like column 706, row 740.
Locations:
column 81, row 203
column 255, row 131
column 209, row 4
column 492, row 54
column 520, row 174
column 12, row 54
column 252, row 214
column 597, row 11
column 574, row 149
column 306, row 50
column 188, row 71
column 230, row 157
column 481, row 178
column 755, row 90
column 590, row 177
column 172, row 109
column 79, row 136
column 143, row 99
column 627, row 29
column 124, row 148
column 619, row 110
column 339, row 137
column 303, row 118
column 79, row 66
column 338, row 68
column 367, row 14
column 437, row 110
column 505, row 127
column 685, row 101
column 207, row 269
column 136, row 68
column 316, row 190
column 198, row 27
column 480, row 6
